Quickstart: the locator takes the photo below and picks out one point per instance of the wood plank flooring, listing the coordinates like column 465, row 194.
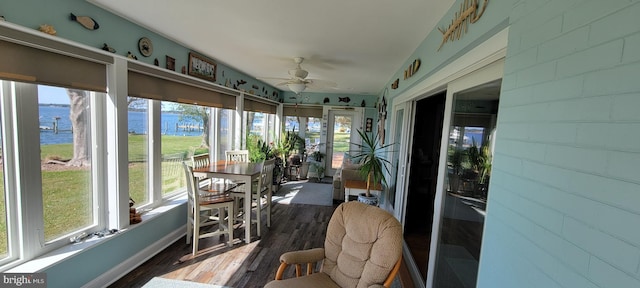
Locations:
column 294, row 227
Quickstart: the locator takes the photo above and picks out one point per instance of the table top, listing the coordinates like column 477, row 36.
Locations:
column 358, row 184
column 235, row 168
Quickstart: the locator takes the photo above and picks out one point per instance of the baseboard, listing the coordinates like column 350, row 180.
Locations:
column 136, row 260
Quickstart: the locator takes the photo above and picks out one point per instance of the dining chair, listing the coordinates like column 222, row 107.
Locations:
column 259, row 189
column 201, row 206
column 237, row 155
column 200, row 161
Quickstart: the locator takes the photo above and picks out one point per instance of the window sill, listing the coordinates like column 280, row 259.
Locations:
column 49, row 259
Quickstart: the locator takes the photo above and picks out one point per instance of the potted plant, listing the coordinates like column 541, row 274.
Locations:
column 373, row 164
column 316, row 169
column 457, row 157
column 317, row 156
column 484, row 169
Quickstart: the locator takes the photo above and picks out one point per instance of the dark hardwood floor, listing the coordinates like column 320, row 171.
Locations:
column 294, row 227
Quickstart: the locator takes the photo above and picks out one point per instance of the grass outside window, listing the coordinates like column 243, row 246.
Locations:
column 66, row 185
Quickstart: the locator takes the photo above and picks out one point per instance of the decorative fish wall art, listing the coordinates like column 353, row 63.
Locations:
column 106, row 47
column 85, row 21
column 131, row 56
column 46, row 28
column 468, row 13
column 344, row 99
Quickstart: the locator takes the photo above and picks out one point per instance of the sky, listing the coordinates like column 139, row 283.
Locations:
column 52, row 95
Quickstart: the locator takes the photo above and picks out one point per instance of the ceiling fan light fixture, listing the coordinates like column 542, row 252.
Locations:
column 297, row 87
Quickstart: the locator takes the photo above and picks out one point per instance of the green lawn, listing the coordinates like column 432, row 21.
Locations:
column 341, row 142
column 65, row 200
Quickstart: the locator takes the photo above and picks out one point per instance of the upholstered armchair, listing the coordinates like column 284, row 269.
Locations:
column 363, row 248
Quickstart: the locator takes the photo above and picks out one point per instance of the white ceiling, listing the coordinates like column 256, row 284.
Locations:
column 358, row 44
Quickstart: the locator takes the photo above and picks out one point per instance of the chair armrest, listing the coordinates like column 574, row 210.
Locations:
column 302, row 256
column 297, row 258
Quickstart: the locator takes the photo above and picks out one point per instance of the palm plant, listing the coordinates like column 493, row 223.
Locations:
column 372, row 162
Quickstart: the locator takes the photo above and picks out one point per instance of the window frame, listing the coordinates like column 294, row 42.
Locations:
column 26, row 217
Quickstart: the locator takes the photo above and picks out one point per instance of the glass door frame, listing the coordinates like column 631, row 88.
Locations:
column 490, row 51
column 403, row 148
column 356, row 123
column 489, row 73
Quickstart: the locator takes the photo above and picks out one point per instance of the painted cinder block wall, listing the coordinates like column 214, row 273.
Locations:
column 564, row 206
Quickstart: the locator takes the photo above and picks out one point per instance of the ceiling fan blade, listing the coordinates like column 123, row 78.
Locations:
column 283, row 83
column 272, row 78
column 318, row 83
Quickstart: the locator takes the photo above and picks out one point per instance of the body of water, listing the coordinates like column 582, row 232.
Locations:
column 137, row 124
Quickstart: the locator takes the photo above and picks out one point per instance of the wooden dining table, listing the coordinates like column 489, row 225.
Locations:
column 239, row 172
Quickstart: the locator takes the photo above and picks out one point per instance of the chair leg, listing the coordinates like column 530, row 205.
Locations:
column 230, row 225
column 269, row 209
column 196, row 235
column 189, row 231
column 259, row 214
column 189, row 224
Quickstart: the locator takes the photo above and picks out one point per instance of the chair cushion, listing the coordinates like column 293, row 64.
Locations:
column 363, row 244
column 317, row 280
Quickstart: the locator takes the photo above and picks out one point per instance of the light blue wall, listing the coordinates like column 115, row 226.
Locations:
column 120, row 34
column 354, row 100
column 563, row 207
column 92, row 263
column 492, row 21
column 84, row 267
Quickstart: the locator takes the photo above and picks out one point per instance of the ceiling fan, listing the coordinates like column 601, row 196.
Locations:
column 299, row 81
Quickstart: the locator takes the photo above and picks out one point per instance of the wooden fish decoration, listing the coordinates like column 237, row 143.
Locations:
column 106, row 47
column 344, row 99
column 470, row 12
column 85, row 21
column 46, row 28
column 131, row 56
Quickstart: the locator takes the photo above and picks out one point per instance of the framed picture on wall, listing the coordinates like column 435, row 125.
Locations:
column 369, row 125
column 201, row 67
column 171, row 63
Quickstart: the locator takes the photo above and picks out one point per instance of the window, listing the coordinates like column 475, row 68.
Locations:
column 65, row 144
column 138, row 142
column 307, row 122
column 184, row 131
column 312, row 135
column 60, row 144
column 291, row 123
column 4, row 231
column 261, row 125
column 256, row 124
column 261, row 118
column 223, row 130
